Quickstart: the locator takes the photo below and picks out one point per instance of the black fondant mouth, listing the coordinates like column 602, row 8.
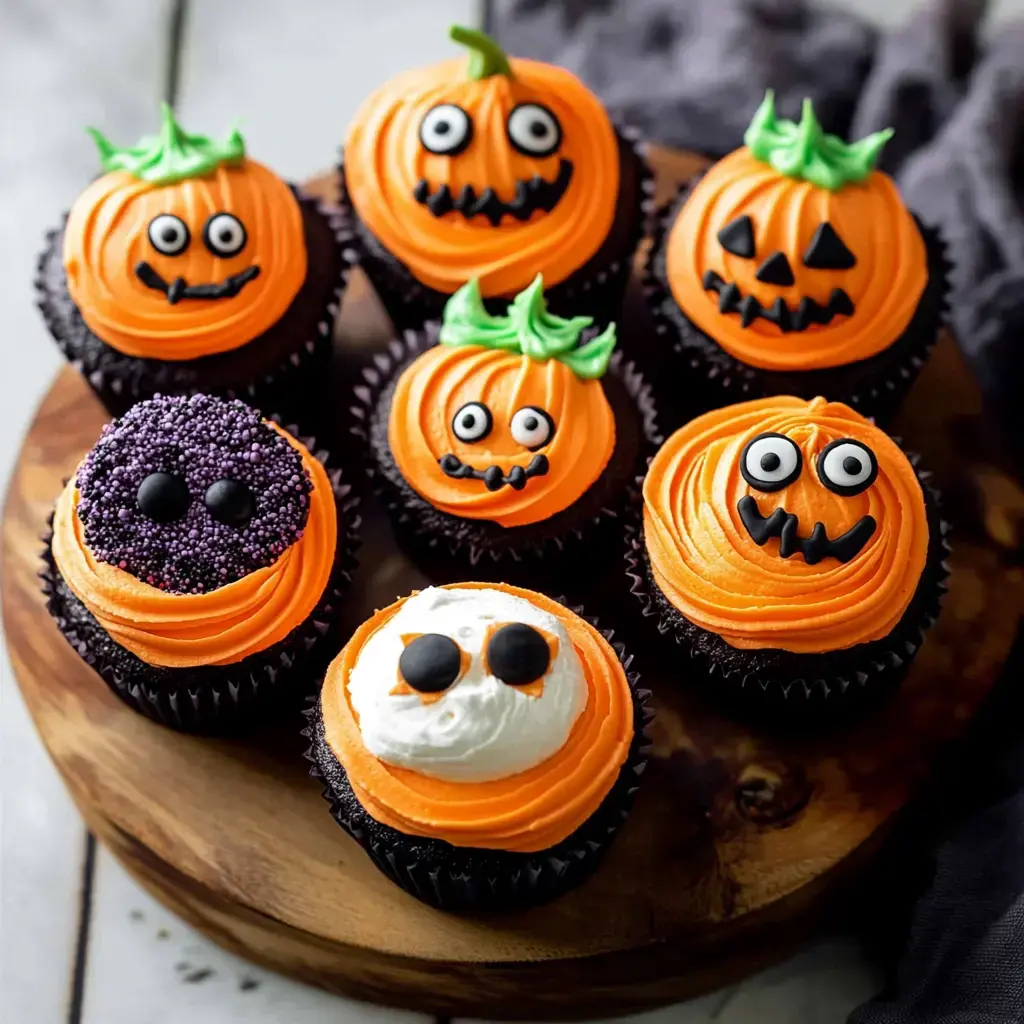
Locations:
column 531, row 194
column 784, row 525
column 492, row 476
column 810, row 311
column 178, row 289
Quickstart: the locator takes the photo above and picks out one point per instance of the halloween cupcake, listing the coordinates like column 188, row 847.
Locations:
column 482, row 743
column 187, row 267
column 792, row 548
column 498, row 169
column 196, row 561
column 792, row 267
column 504, row 437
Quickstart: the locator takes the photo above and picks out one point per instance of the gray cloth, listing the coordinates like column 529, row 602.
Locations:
column 690, row 73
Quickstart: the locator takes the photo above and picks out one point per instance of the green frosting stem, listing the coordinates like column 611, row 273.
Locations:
column 486, row 57
column 527, row 328
column 803, row 150
column 171, row 155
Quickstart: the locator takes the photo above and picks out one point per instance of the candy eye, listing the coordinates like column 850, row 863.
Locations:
column 472, row 422
column 534, row 130
column 446, row 130
column 169, row 234
column 532, row 427
column 163, row 497
column 518, row 654
column 230, row 502
column 224, row 235
column 770, row 462
column 847, row 467
column 430, row 663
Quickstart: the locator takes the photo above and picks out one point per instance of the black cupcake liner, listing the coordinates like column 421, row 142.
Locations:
column 460, row 879
column 120, row 381
column 596, row 289
column 875, row 386
column 428, row 532
column 218, row 699
column 777, row 684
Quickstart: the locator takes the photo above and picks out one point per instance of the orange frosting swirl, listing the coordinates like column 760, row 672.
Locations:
column 106, row 236
column 530, row 811
column 222, row 626
column 384, row 161
column 885, row 284
column 444, row 378
column 708, row 566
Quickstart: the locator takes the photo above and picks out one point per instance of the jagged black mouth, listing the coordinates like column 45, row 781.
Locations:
column 531, row 194
column 178, row 289
column 784, row 525
column 492, row 476
column 810, row 311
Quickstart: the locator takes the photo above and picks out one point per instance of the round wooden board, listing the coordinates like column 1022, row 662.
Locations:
column 740, row 844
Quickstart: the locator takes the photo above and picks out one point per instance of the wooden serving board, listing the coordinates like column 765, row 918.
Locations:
column 741, row 841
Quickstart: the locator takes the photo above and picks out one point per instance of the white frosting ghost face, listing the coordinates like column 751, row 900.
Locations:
column 479, row 727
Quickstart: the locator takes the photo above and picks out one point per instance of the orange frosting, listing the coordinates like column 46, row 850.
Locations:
column 524, row 813
column 443, row 379
column 707, row 565
column 106, row 237
column 220, row 627
column 384, row 161
column 885, row 284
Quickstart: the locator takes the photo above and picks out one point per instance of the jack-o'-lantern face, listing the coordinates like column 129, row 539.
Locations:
column 184, row 248
column 506, row 419
column 497, row 171
column 792, row 252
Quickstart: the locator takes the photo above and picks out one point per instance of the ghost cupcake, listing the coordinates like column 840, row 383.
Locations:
column 481, row 742
column 197, row 559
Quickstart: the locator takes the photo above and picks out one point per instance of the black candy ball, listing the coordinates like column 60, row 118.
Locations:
column 163, row 497
column 518, row 654
column 431, row 663
column 230, row 502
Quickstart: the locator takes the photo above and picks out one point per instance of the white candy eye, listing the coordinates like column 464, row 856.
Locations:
column 472, row 422
column 531, row 427
column 446, row 130
column 224, row 235
column 534, row 130
column 847, row 467
column 169, row 234
column 770, row 462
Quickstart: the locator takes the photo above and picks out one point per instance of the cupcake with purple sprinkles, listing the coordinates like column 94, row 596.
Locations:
column 196, row 560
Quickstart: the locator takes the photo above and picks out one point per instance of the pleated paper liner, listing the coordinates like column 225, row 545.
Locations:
column 278, row 382
column 468, row 879
column 219, row 699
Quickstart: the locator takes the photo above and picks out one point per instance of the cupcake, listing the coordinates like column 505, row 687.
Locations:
column 792, row 267
column 196, row 561
column 187, row 267
column 482, row 744
column 792, row 549
column 497, row 438
column 494, row 168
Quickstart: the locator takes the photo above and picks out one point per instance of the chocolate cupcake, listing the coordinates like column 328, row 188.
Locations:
column 496, row 169
column 505, row 438
column 482, row 743
column 793, row 267
column 792, row 549
column 187, row 267
column 197, row 559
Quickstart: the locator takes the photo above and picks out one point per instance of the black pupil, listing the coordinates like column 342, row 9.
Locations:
column 431, row 663
column 163, row 497
column 169, row 234
column 230, row 502
column 852, row 465
column 469, row 421
column 225, row 235
column 770, row 462
column 517, row 654
column 442, row 127
column 531, row 423
column 538, row 129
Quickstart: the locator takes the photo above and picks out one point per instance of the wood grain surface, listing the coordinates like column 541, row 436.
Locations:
column 742, row 840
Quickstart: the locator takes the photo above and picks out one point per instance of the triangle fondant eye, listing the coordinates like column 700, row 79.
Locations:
column 827, row 251
column 737, row 237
